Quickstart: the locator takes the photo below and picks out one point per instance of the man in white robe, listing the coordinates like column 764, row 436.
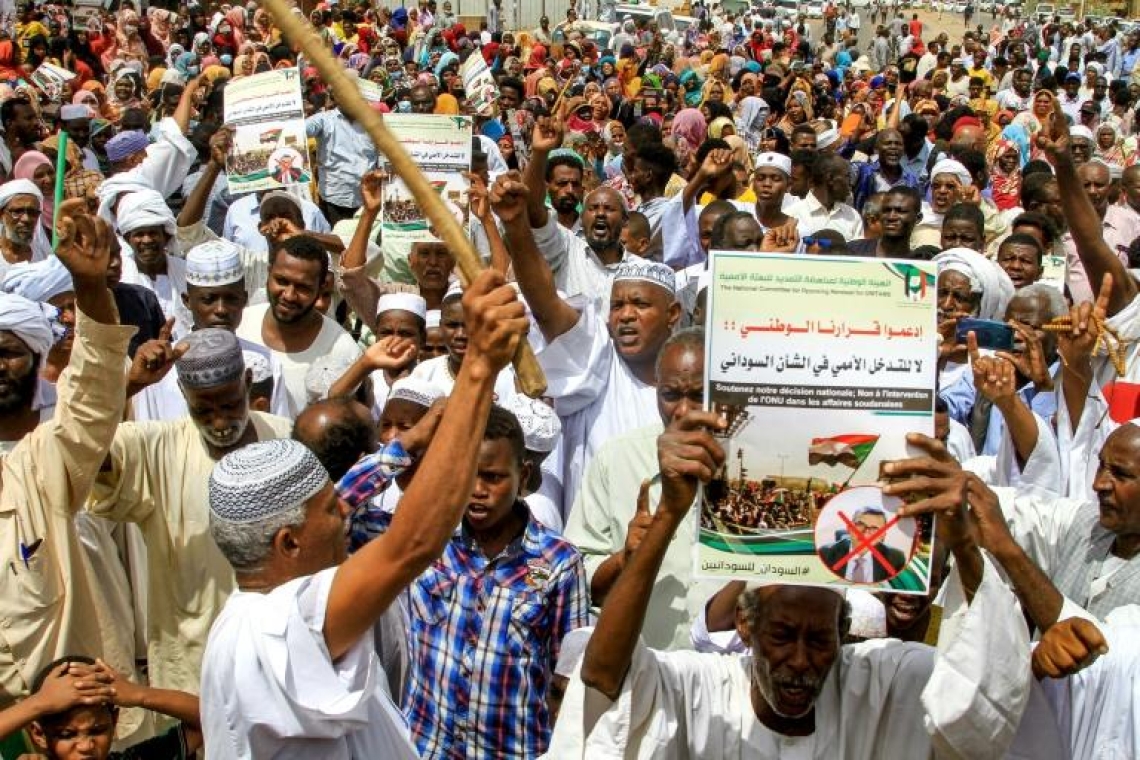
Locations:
column 801, row 694
column 600, row 366
column 290, row 668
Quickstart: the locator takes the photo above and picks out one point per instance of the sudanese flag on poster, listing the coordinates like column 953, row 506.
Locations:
column 851, row 450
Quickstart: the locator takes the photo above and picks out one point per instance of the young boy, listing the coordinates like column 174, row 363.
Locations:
column 74, row 707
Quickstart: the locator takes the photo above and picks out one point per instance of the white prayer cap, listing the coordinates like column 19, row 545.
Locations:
column 28, row 321
column 402, row 302
column 963, row 61
column 75, row 111
column 258, row 365
column 985, row 277
column 1080, row 130
column 571, row 651
column 954, row 169
column 38, row 281
column 540, row 425
column 827, row 138
column 145, row 208
column 217, row 262
column 868, row 615
column 775, row 161
column 264, row 479
column 433, row 318
column 323, row 373
column 12, row 188
column 454, row 290
column 213, row 357
column 636, row 269
column 415, row 390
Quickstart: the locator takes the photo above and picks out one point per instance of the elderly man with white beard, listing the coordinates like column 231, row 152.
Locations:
column 20, row 236
column 155, row 477
column 802, row 694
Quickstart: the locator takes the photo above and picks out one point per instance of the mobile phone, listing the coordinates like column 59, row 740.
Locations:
column 991, row 334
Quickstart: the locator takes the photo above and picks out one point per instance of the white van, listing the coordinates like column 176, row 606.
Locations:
column 659, row 16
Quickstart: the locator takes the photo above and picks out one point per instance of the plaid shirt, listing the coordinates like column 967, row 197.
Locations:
column 485, row 638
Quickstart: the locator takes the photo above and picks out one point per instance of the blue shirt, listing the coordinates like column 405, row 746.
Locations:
column 345, row 153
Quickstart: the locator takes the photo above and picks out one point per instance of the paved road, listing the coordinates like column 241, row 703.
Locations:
column 933, row 23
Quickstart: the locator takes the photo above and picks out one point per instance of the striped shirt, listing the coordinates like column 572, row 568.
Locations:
column 485, row 638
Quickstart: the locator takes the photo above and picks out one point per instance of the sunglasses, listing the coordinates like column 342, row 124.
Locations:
column 823, row 243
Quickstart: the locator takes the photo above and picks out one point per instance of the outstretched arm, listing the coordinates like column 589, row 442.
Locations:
column 546, row 136
column 554, row 316
column 687, row 454
column 371, row 189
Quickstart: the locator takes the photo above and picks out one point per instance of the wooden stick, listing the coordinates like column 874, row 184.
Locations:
column 349, row 99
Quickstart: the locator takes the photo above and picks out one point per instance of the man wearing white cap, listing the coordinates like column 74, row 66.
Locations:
column 48, row 605
column 50, row 283
column 290, row 670
column 215, row 297
column 949, row 179
column 801, row 693
column 542, row 434
column 600, row 365
column 154, row 479
column 400, row 317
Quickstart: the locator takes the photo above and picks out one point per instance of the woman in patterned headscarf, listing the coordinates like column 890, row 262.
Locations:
column 1005, row 162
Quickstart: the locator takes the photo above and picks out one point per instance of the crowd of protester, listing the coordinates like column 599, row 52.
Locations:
column 270, row 488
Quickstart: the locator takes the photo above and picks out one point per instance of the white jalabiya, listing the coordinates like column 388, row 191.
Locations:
column 1042, row 470
column 594, row 392
column 437, row 372
column 577, row 269
column 883, row 699
column 270, row 689
column 1094, row 714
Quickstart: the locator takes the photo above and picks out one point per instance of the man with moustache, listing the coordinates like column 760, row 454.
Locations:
column 154, row 477
column 290, row 324
column 20, row 203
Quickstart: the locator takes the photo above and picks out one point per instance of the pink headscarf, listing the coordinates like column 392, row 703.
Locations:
column 25, row 168
column 236, row 17
column 689, row 124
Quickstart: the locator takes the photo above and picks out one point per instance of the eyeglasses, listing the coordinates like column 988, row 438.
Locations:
column 823, row 243
column 27, row 212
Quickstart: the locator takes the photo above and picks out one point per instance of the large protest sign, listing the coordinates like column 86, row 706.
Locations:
column 821, row 366
column 441, row 145
column 270, row 149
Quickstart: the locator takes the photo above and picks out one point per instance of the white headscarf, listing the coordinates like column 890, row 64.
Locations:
column 38, row 281
column 954, row 169
column 10, row 190
column 145, row 208
column 32, row 323
column 985, row 277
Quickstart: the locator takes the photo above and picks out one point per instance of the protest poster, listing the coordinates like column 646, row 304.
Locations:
column 51, row 80
column 479, row 86
column 270, row 149
column 87, row 15
column 441, row 146
column 821, row 367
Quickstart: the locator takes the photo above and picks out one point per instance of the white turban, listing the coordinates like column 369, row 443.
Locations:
column 1080, row 130
column 775, row 161
column 953, row 168
column 38, row 281
column 145, row 208
column 115, row 187
column 28, row 321
column 10, row 190
column 985, row 277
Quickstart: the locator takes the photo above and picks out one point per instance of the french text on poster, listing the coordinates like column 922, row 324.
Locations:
column 270, row 148
column 821, row 366
column 441, row 146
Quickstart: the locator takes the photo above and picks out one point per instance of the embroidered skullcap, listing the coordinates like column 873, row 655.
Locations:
column 264, row 479
column 540, row 425
column 454, row 290
column 402, row 302
column 827, row 138
column 643, row 270
column 1080, row 130
column 126, row 144
column 953, row 168
column 433, row 318
column 775, row 161
column 38, row 281
column 258, row 365
column 324, row 372
column 416, row 390
column 868, row 615
column 75, row 111
column 217, row 262
column 214, row 358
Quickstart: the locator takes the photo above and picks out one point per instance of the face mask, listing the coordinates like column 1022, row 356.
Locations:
column 227, row 60
column 404, row 106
